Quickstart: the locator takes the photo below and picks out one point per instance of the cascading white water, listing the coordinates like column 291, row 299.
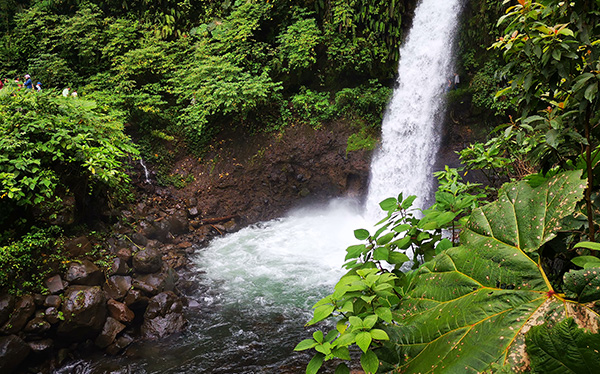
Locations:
column 146, row 173
column 409, row 145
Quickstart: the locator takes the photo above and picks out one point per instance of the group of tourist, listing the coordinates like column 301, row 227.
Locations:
column 28, row 84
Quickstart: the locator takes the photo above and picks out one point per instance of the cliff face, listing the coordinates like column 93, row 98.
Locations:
column 261, row 177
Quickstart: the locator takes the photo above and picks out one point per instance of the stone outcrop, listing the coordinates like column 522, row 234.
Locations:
column 84, row 311
column 13, row 351
column 83, row 273
column 22, row 311
column 163, row 316
column 147, row 261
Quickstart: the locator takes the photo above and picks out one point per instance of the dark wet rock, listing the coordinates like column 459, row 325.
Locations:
column 187, row 286
column 41, row 346
column 7, row 303
column 84, row 273
column 136, row 300
column 230, row 226
column 147, row 261
column 22, row 311
column 84, row 312
column 150, row 284
column 78, row 246
column 119, row 267
column 120, row 311
column 184, row 245
column 193, row 212
column 164, row 230
column 125, row 255
column 139, row 239
column 52, row 300
column 120, row 343
column 51, row 315
column 37, row 325
column 38, row 299
column 111, row 329
column 117, row 286
column 55, row 284
column 163, row 316
column 13, row 351
column 178, row 224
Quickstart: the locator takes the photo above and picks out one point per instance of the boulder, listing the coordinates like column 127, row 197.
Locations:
column 78, row 246
column 119, row 311
column 7, row 303
column 13, row 350
column 178, row 223
column 139, row 239
column 22, row 311
column 51, row 315
column 39, row 299
column 163, row 316
column 111, row 329
column 84, row 313
column 84, row 273
column 136, row 300
column 40, row 346
column 120, row 343
column 150, row 284
column 52, row 300
column 55, row 284
column 119, row 267
column 117, row 286
column 37, row 325
column 147, row 261
column 125, row 255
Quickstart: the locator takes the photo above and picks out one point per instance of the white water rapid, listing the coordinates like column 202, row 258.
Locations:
column 404, row 161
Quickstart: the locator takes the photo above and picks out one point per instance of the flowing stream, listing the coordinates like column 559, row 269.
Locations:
column 256, row 287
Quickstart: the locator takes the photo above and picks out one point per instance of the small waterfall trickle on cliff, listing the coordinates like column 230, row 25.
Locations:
column 409, row 145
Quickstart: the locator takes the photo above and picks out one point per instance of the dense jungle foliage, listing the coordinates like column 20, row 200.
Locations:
column 508, row 285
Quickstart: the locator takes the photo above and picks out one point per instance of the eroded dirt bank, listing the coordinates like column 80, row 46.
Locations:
column 262, row 177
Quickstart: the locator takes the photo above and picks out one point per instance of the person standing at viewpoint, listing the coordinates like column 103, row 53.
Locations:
column 28, row 82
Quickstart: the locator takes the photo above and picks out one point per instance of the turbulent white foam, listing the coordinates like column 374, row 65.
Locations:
column 404, row 161
column 285, row 260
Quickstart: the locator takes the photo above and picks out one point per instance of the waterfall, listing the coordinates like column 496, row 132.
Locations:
column 146, row 173
column 404, row 161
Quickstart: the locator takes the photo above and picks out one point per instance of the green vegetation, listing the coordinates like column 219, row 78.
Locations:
column 24, row 264
column 519, row 291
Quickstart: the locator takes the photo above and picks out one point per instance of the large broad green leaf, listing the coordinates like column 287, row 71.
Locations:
column 563, row 349
column 583, row 285
column 469, row 308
